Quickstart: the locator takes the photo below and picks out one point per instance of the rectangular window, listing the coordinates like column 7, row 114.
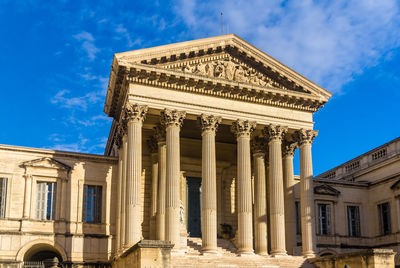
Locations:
column 353, row 218
column 298, row 217
column 3, row 197
column 92, row 203
column 384, row 217
column 324, row 219
column 46, row 200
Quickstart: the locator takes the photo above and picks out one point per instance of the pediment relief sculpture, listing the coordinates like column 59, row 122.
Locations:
column 46, row 162
column 326, row 190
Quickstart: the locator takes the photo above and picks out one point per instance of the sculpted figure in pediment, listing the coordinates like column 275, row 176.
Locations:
column 228, row 69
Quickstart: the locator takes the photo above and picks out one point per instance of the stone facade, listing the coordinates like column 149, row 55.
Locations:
column 201, row 144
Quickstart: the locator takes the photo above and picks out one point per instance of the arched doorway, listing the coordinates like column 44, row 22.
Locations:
column 42, row 256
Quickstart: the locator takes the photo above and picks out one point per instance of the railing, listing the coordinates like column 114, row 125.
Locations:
column 379, row 154
column 352, row 166
column 33, row 264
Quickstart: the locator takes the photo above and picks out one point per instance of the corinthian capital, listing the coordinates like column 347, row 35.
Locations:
column 305, row 136
column 159, row 133
column 288, row 148
column 259, row 145
column 209, row 122
column 172, row 118
column 152, row 144
column 273, row 132
column 135, row 112
column 243, row 128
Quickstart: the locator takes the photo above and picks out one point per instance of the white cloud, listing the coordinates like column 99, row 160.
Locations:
column 328, row 41
column 87, row 42
column 80, row 102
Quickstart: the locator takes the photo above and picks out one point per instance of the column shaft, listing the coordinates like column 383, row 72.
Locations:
column 134, row 183
column 162, row 151
column 290, row 209
column 123, row 191
column 28, row 191
column 172, row 223
column 154, row 190
column 209, row 193
column 260, row 205
column 307, row 201
column 119, row 198
column 277, row 211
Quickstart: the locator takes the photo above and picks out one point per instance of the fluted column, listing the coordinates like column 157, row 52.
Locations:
column 152, row 144
column 274, row 136
column 162, row 171
column 260, row 197
column 135, row 115
column 118, row 142
column 172, row 120
column 305, row 138
column 123, row 187
column 209, row 125
column 243, row 129
column 288, row 149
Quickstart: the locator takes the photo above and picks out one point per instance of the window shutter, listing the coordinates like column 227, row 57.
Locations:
column 41, row 200
column 357, row 221
column 98, row 202
column 84, row 207
column 328, row 219
column 3, row 197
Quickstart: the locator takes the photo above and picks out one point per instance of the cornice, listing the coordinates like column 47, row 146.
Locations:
column 148, row 67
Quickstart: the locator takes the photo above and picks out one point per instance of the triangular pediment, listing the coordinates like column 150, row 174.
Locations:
column 46, row 162
column 326, row 190
column 223, row 66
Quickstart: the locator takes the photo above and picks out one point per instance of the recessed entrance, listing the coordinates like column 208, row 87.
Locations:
column 194, row 206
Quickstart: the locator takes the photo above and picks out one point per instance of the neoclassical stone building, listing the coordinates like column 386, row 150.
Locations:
column 199, row 155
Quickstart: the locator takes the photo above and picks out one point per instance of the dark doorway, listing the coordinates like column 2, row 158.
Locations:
column 194, row 206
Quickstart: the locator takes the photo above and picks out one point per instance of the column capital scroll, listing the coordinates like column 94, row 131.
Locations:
column 273, row 132
column 243, row 128
column 259, row 145
column 159, row 133
column 304, row 136
column 288, row 148
column 152, row 144
column 209, row 122
column 172, row 117
column 135, row 112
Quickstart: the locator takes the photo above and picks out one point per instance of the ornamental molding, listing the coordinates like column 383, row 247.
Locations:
column 46, row 162
column 305, row 136
column 259, row 145
column 272, row 132
column 288, row 148
column 223, row 66
column 135, row 112
column 243, row 128
column 172, row 118
column 325, row 189
column 209, row 122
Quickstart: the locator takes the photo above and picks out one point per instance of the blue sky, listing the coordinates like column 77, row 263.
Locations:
column 56, row 58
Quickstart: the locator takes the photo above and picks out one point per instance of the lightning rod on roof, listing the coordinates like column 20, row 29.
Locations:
column 222, row 23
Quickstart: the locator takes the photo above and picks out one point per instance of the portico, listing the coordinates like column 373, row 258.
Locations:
column 223, row 111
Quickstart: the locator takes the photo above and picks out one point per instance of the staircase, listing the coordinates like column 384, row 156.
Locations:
column 229, row 259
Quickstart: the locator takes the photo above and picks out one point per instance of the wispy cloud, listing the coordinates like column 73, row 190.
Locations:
column 328, row 41
column 87, row 43
column 80, row 102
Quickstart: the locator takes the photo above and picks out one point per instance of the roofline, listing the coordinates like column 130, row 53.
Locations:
column 360, row 156
column 56, row 152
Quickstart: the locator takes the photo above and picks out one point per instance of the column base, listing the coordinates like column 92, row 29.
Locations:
column 279, row 254
column 308, row 255
column 264, row 253
column 210, row 251
column 245, row 252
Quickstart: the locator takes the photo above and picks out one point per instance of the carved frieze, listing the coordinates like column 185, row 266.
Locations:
column 230, row 69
